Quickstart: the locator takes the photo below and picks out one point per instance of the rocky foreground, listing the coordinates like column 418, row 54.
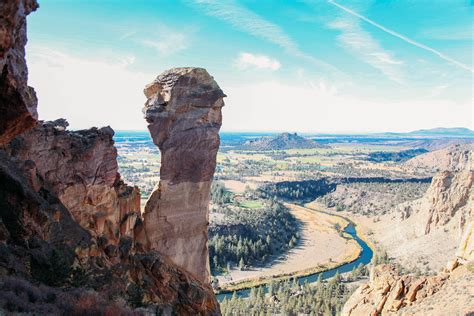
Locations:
column 72, row 236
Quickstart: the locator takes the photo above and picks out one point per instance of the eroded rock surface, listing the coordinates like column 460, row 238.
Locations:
column 40, row 241
column 440, row 222
column 452, row 158
column 66, row 219
column 17, row 100
column 80, row 167
column 388, row 293
column 183, row 111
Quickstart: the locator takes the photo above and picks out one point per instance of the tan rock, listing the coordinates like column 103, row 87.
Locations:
column 183, row 112
column 402, row 291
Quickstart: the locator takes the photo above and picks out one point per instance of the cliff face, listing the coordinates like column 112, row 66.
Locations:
column 66, row 219
column 445, row 213
column 81, row 169
column 183, row 111
column 453, row 158
column 40, row 241
column 17, row 100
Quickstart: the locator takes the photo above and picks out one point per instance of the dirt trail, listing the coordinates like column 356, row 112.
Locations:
column 319, row 244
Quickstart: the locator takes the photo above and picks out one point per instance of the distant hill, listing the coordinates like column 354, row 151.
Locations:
column 439, row 131
column 281, row 142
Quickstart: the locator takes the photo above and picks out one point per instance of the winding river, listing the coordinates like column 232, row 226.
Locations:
column 364, row 257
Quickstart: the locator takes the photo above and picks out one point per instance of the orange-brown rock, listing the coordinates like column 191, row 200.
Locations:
column 17, row 100
column 40, row 246
column 66, row 219
column 387, row 292
column 183, row 111
column 80, row 167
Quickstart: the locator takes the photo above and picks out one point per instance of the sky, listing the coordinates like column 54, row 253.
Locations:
column 298, row 66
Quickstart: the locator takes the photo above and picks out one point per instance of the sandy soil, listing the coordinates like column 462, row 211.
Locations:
column 427, row 252
column 238, row 187
column 319, row 244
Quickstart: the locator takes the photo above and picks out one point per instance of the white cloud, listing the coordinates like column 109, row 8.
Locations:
column 87, row 92
column 404, row 38
column 317, row 107
column 361, row 44
column 458, row 32
column 245, row 20
column 248, row 60
column 167, row 43
column 98, row 93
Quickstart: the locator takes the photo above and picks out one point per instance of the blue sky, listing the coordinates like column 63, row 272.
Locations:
column 308, row 66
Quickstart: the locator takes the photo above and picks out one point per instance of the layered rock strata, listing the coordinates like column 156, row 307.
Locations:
column 17, row 100
column 81, row 168
column 183, row 111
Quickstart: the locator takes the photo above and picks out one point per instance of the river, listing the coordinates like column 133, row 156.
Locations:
column 364, row 257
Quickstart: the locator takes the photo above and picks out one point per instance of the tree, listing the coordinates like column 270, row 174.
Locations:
column 241, row 264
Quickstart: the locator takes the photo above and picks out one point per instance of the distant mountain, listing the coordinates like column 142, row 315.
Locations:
column 281, row 142
column 454, row 131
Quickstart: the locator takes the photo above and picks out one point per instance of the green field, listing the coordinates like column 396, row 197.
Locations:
column 251, row 204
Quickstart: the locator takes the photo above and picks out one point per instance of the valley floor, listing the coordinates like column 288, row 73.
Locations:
column 320, row 245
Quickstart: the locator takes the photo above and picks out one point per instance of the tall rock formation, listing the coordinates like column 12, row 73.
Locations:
column 183, row 111
column 17, row 100
column 80, row 167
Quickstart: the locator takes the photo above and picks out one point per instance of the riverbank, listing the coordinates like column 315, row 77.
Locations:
column 321, row 248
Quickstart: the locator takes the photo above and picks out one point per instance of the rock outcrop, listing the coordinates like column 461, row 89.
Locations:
column 183, row 111
column 452, row 158
column 40, row 241
column 17, row 100
column 429, row 229
column 81, row 168
column 389, row 293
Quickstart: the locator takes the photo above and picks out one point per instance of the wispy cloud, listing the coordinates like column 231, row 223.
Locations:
column 403, row 38
column 361, row 44
column 248, row 60
column 245, row 20
column 166, row 40
column 459, row 32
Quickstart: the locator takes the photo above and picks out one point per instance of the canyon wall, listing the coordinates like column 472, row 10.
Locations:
column 183, row 111
column 440, row 222
column 17, row 100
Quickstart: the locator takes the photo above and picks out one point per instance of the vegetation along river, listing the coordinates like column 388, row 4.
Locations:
column 365, row 257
